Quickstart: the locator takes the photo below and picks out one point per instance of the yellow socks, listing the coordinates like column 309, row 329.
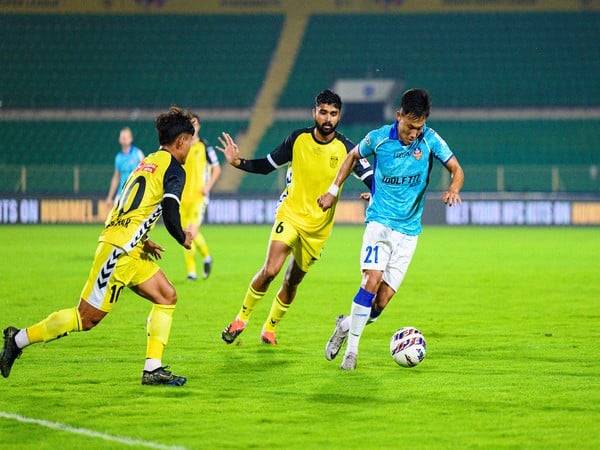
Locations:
column 250, row 300
column 278, row 310
column 200, row 243
column 159, row 328
column 190, row 260
column 56, row 325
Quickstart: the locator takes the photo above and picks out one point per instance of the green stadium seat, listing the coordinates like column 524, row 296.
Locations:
column 144, row 61
column 526, row 150
column 470, row 59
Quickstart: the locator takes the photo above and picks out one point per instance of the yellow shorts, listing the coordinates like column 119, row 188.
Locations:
column 192, row 213
column 112, row 270
column 306, row 248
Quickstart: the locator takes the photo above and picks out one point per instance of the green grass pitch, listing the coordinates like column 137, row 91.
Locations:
column 511, row 316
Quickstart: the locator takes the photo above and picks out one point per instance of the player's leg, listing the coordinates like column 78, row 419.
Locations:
column 375, row 255
column 200, row 242
column 99, row 293
column 393, row 276
column 159, row 290
column 188, row 223
column 293, row 277
column 282, row 239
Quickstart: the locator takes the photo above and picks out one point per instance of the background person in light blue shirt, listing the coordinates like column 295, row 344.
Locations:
column 125, row 162
column 403, row 154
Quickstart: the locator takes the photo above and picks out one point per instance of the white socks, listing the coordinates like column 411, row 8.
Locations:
column 21, row 338
column 360, row 313
column 152, row 364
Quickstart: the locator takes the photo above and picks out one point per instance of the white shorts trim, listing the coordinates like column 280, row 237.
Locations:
column 388, row 251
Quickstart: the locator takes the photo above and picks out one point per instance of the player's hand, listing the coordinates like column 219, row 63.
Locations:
column 153, row 249
column 451, row 198
column 366, row 196
column 188, row 240
column 326, row 201
column 229, row 149
column 192, row 228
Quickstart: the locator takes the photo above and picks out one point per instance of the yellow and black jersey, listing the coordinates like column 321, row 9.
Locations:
column 312, row 167
column 201, row 156
column 157, row 177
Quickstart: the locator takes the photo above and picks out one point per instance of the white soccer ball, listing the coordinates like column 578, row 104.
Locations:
column 408, row 347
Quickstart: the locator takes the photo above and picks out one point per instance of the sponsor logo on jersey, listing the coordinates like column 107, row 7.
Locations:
column 402, row 154
column 410, row 180
column 417, row 154
column 146, row 167
column 119, row 223
column 334, row 161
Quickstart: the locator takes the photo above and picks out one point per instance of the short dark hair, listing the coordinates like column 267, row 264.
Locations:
column 416, row 103
column 328, row 97
column 173, row 123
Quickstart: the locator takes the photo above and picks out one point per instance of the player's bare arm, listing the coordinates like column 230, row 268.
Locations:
column 328, row 199
column 114, row 183
column 215, row 173
column 452, row 195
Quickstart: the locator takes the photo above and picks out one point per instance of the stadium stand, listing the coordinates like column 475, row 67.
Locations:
column 525, row 150
column 464, row 60
column 113, row 61
column 51, row 149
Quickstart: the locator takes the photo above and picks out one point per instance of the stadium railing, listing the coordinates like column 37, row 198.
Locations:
column 41, row 179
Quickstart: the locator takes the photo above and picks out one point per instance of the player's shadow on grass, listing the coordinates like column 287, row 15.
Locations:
column 256, row 359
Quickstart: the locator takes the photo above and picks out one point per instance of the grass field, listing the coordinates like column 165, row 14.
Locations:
column 512, row 318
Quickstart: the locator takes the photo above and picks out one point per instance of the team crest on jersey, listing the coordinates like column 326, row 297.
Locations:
column 417, row 154
column 333, row 161
column 146, row 167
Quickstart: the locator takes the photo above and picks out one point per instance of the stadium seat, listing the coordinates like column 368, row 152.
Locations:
column 104, row 61
column 470, row 59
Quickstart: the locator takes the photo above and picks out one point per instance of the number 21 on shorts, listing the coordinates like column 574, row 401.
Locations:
column 372, row 254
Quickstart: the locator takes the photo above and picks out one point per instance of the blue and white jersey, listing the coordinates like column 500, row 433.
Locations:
column 125, row 163
column 401, row 175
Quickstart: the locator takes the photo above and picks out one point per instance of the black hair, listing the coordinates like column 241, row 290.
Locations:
column 173, row 123
column 329, row 98
column 416, row 103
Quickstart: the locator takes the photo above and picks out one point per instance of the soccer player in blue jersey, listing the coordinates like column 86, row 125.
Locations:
column 403, row 154
column 125, row 162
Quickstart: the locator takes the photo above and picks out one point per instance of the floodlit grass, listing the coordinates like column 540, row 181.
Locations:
column 511, row 317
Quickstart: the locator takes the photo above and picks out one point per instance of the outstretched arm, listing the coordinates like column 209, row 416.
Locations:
column 328, row 199
column 452, row 195
column 232, row 154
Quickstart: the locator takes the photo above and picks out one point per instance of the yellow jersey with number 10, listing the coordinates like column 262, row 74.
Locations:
column 159, row 175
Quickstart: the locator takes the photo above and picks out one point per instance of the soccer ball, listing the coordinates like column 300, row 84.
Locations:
column 408, row 347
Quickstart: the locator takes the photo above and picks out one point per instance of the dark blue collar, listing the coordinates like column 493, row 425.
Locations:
column 394, row 131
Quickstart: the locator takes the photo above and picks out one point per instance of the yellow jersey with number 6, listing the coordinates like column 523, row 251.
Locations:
column 313, row 165
column 159, row 175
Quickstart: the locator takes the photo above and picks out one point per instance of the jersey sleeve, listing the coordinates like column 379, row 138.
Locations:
column 117, row 168
column 283, row 153
column 211, row 155
column 440, row 149
column 173, row 181
column 362, row 169
column 140, row 154
column 366, row 146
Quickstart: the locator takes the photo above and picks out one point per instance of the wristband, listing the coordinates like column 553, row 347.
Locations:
column 334, row 189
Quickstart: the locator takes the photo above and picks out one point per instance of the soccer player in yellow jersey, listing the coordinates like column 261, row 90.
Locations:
column 314, row 155
column 124, row 256
column 202, row 170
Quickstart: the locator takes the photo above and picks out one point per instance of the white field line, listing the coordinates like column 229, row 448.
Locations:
column 89, row 433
